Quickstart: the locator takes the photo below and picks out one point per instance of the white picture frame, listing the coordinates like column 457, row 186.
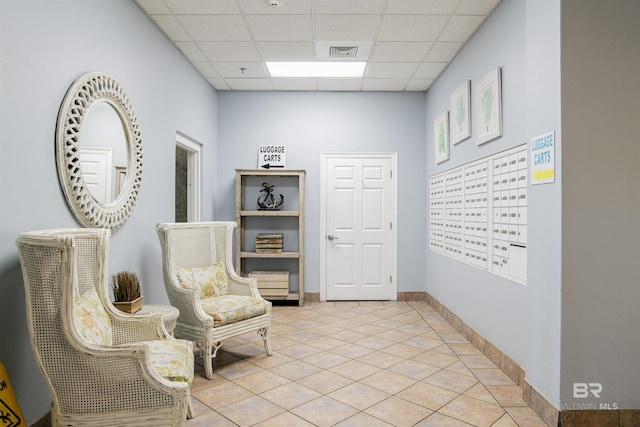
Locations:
column 460, row 120
column 441, row 137
column 488, row 101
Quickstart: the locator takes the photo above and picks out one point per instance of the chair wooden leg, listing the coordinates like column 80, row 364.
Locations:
column 210, row 352
column 189, row 409
column 266, row 338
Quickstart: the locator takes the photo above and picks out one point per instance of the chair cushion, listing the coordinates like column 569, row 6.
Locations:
column 172, row 359
column 232, row 308
column 209, row 281
column 91, row 319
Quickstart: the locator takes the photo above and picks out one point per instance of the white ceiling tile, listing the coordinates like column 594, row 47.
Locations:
column 430, row 70
column 286, row 51
column 349, row 6
column 407, row 43
column 294, row 84
column 427, row 7
column 419, row 84
column 218, row 84
column 443, row 52
column 262, row 7
column 477, row 7
column 280, row 27
column 171, row 28
column 387, row 70
column 389, row 85
column 249, row 84
column 202, row 7
column 191, row 51
column 350, row 85
column 460, row 28
column 412, row 27
column 215, row 27
column 346, row 27
column 235, row 69
column 207, row 69
column 229, row 51
column 152, row 7
column 400, row 51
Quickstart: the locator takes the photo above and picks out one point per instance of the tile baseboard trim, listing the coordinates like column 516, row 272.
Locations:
column 402, row 296
column 45, row 421
column 614, row 418
column 536, row 401
column 312, row 296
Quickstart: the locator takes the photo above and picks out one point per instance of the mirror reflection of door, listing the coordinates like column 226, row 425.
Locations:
column 95, row 163
column 187, row 179
column 103, row 152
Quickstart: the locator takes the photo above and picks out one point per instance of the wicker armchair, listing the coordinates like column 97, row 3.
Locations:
column 215, row 303
column 103, row 367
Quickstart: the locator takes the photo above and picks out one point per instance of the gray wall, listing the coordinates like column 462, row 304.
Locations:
column 523, row 321
column 45, row 46
column 601, row 200
column 310, row 123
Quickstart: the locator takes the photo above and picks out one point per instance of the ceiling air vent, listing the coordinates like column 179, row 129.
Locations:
column 343, row 51
column 347, row 50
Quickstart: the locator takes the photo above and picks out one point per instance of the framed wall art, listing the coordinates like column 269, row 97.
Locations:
column 488, row 101
column 460, row 126
column 441, row 137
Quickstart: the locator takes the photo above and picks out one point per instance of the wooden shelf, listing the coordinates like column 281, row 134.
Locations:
column 266, row 221
column 269, row 213
column 292, row 255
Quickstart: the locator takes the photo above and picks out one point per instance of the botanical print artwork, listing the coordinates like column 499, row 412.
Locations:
column 441, row 137
column 489, row 106
column 460, row 126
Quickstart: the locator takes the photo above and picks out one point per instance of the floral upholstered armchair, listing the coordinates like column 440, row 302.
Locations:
column 103, row 367
column 215, row 303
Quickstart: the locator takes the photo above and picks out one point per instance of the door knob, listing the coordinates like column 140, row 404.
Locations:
column 332, row 237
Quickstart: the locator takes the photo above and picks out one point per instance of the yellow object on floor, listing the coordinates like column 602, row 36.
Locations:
column 10, row 413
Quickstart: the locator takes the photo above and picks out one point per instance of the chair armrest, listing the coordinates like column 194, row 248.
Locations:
column 126, row 363
column 130, row 328
column 187, row 302
column 239, row 285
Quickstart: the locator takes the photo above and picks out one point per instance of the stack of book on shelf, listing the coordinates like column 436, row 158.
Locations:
column 269, row 243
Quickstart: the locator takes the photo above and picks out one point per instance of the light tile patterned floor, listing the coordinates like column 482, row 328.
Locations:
column 357, row 364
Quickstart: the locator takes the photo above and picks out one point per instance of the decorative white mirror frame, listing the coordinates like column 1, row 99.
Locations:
column 85, row 92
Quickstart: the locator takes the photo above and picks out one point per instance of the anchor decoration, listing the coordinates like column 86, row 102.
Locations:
column 268, row 201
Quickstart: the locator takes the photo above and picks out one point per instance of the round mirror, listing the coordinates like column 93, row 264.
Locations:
column 99, row 152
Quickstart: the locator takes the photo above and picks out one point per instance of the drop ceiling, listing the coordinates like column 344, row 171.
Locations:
column 406, row 43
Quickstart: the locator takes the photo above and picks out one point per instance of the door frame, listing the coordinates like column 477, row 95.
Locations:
column 393, row 157
column 194, row 176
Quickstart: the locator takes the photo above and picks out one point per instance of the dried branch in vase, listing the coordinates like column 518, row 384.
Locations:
column 126, row 286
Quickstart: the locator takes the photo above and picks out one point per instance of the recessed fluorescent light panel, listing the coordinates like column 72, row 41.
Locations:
column 316, row 69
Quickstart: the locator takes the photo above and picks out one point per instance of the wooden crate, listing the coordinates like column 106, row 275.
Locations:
column 272, row 283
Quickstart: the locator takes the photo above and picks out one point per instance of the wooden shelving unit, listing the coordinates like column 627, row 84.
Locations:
column 290, row 220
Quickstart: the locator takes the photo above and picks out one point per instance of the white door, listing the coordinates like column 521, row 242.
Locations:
column 359, row 235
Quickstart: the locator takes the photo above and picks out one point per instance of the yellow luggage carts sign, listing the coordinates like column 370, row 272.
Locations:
column 10, row 413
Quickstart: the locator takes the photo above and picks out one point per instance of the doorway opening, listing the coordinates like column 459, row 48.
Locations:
column 187, row 179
